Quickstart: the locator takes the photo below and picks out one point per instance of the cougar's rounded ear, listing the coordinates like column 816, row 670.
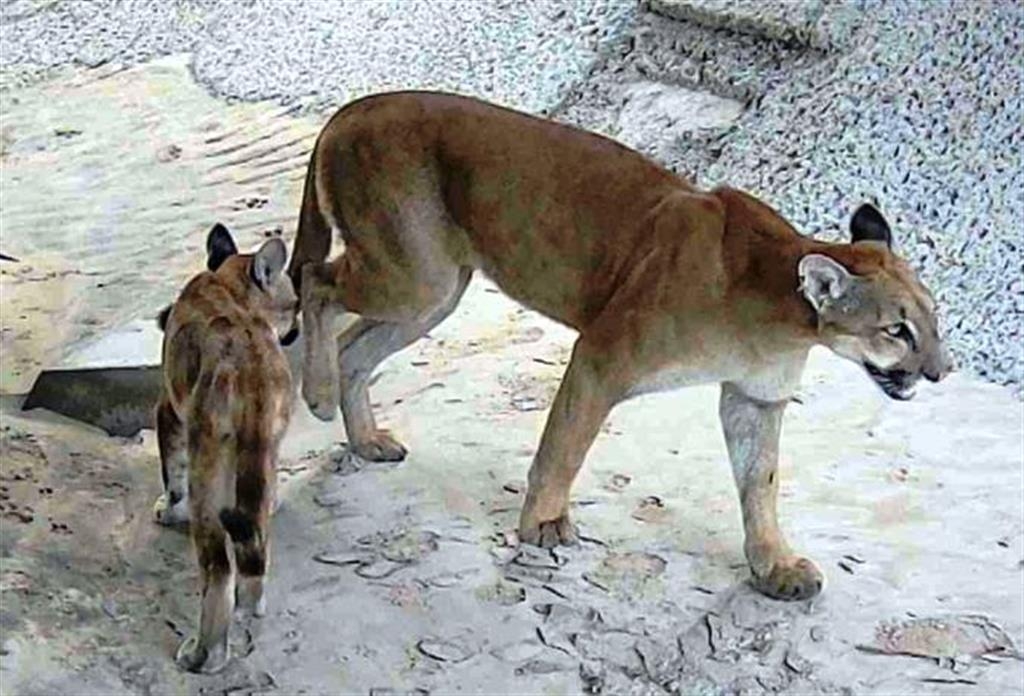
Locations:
column 822, row 279
column 268, row 262
column 219, row 246
column 869, row 225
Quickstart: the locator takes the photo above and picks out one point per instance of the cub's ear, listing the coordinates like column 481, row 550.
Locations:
column 268, row 262
column 869, row 225
column 163, row 316
column 219, row 246
column 822, row 279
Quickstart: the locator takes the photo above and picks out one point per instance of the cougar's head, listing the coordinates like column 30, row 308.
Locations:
column 873, row 310
column 267, row 286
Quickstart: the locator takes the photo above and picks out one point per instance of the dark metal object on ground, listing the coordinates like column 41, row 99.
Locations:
column 120, row 400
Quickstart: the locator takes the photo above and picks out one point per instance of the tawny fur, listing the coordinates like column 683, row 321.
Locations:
column 226, row 404
column 667, row 285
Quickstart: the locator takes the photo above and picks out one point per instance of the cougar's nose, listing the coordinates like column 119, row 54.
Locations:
column 941, row 369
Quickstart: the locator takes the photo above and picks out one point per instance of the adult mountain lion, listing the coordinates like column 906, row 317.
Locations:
column 667, row 286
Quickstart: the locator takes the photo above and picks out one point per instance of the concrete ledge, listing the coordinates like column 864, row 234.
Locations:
column 810, row 23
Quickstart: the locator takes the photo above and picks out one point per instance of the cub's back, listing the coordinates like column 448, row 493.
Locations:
column 211, row 333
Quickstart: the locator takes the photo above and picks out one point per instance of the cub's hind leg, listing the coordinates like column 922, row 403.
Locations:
column 249, row 534
column 248, row 526
column 209, row 494
column 208, row 650
column 171, row 507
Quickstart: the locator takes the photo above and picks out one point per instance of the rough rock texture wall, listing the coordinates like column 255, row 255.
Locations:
column 822, row 24
column 521, row 53
column 915, row 105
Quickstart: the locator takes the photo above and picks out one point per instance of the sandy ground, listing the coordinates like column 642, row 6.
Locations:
column 400, row 577
column 110, row 180
column 404, row 579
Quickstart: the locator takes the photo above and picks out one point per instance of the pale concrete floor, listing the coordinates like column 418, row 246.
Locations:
column 416, row 590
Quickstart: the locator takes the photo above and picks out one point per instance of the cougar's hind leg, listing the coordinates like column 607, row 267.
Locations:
column 361, row 348
column 400, row 267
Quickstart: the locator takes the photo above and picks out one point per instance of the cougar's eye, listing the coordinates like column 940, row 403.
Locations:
column 902, row 332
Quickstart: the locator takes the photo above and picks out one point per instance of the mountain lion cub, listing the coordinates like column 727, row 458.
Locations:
column 226, row 404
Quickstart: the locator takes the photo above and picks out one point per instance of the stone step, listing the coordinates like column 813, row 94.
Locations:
column 688, row 56
column 817, row 24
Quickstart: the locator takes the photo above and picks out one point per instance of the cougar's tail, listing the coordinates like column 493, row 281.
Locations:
column 313, row 238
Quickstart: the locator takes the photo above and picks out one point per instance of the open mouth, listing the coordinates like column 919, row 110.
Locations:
column 897, row 384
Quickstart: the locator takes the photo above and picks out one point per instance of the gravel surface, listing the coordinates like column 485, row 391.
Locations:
column 523, row 53
column 922, row 114
column 916, row 105
column 823, row 24
column 926, row 117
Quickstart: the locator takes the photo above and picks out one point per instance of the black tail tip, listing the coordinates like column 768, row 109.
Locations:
column 239, row 526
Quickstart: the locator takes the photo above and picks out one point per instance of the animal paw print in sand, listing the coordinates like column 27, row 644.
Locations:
column 59, row 528
column 632, row 573
column 382, row 554
column 249, row 203
column 650, row 510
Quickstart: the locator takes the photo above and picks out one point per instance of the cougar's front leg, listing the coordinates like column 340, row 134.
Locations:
column 752, row 430
column 583, row 401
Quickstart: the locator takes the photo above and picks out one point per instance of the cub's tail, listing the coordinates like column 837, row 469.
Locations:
column 248, row 538
column 313, row 239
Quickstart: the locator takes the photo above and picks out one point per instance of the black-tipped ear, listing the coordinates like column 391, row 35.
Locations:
column 289, row 338
column 268, row 262
column 163, row 316
column 869, row 225
column 219, row 246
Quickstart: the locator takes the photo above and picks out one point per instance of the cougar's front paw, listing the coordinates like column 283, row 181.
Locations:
column 192, row 657
column 548, row 533
column 167, row 514
column 791, row 578
column 381, row 447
